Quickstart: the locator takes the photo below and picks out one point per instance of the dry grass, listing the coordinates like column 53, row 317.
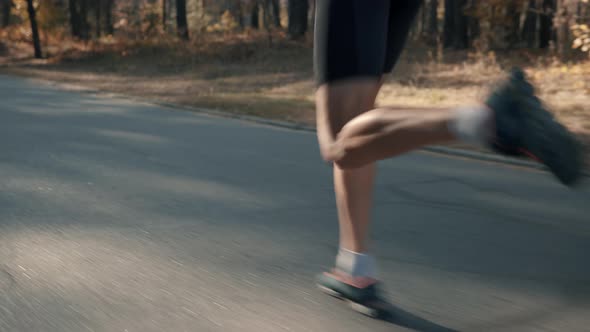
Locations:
column 246, row 74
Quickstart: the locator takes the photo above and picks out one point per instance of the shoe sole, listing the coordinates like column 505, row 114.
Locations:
column 564, row 160
column 362, row 309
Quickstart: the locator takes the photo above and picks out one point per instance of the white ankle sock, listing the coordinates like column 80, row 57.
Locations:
column 473, row 124
column 356, row 264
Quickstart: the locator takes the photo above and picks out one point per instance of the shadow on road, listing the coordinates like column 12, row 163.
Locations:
column 408, row 320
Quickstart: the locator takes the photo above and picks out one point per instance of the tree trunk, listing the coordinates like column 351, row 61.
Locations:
column 298, row 16
column 513, row 12
column 432, row 29
column 546, row 29
column 98, row 18
column 461, row 25
column 6, row 6
column 449, row 24
column 529, row 27
column 423, row 20
column 266, row 15
column 416, row 27
column 276, row 12
column 456, row 33
column 181, row 22
column 84, row 25
column 561, row 28
column 164, row 14
column 473, row 22
column 109, row 17
column 136, row 19
column 34, row 29
column 269, row 14
column 255, row 15
column 268, row 19
column 312, row 8
column 563, row 20
column 240, row 14
column 74, row 18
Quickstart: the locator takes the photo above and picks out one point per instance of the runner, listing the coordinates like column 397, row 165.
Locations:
column 356, row 43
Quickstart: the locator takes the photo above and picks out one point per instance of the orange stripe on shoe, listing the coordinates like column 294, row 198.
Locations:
column 530, row 155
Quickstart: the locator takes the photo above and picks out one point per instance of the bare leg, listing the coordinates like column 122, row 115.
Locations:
column 387, row 132
column 354, row 199
column 372, row 136
column 354, row 139
column 338, row 103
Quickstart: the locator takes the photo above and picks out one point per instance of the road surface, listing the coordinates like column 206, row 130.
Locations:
column 124, row 216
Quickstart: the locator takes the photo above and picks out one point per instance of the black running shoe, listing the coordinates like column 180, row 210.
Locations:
column 362, row 294
column 525, row 128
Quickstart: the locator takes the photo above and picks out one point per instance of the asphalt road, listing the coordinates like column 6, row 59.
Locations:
column 122, row 216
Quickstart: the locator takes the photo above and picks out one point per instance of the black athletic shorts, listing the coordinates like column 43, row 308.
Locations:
column 360, row 38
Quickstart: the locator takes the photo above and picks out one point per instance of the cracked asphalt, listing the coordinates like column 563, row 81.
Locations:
column 123, row 216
